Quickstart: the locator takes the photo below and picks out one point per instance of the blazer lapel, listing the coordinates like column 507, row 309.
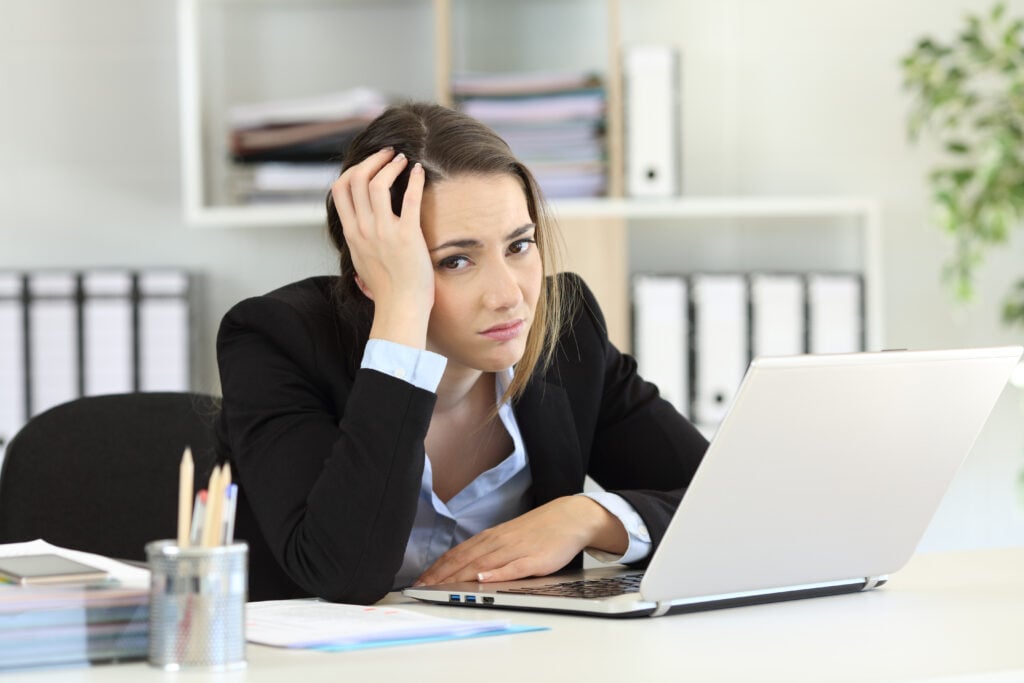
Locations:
column 552, row 445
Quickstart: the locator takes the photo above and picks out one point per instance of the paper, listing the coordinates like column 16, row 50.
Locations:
column 128, row 575
column 333, row 626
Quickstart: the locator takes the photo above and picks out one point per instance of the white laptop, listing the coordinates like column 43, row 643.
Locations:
column 820, row 480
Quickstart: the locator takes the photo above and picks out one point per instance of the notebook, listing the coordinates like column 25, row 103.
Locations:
column 820, row 480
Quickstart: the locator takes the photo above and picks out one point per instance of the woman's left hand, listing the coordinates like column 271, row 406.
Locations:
column 536, row 543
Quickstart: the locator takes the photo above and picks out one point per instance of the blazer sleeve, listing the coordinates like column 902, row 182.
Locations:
column 643, row 449
column 330, row 459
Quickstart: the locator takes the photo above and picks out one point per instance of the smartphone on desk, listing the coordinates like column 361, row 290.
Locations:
column 48, row 568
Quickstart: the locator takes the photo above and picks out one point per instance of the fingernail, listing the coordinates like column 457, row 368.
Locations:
column 398, row 156
column 417, row 167
column 483, row 576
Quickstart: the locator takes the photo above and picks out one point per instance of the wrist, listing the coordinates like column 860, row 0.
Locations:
column 602, row 530
column 402, row 324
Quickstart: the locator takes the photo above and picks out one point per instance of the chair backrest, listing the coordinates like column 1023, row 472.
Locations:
column 100, row 473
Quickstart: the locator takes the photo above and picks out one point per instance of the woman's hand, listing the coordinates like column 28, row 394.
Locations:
column 536, row 543
column 388, row 251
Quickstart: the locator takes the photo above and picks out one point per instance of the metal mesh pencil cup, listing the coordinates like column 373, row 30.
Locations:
column 197, row 606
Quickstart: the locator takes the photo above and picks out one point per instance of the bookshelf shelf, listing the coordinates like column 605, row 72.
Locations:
column 232, row 51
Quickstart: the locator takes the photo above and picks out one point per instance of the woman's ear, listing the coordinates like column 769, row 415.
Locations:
column 363, row 288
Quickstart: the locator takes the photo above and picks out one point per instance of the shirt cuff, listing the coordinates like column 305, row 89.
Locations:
column 418, row 367
column 639, row 538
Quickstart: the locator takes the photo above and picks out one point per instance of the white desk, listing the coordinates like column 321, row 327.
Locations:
column 952, row 616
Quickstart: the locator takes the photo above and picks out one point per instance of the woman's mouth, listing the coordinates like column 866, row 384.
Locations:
column 504, row 331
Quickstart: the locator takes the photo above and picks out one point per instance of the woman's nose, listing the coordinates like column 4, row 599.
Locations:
column 502, row 289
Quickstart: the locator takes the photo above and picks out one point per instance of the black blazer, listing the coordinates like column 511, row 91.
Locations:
column 329, row 456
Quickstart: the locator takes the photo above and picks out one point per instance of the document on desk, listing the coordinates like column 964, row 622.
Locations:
column 315, row 624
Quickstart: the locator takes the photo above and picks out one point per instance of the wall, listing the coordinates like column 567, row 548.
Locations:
column 779, row 97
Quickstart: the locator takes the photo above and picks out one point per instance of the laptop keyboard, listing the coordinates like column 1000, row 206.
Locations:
column 587, row 588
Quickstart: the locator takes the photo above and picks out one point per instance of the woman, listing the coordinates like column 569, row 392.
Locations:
column 429, row 415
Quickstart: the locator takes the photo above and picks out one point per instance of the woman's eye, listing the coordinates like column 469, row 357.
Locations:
column 453, row 263
column 521, row 246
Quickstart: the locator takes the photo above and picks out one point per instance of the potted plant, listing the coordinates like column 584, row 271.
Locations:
column 969, row 95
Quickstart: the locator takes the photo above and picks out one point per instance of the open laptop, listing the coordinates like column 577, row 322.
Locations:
column 820, row 480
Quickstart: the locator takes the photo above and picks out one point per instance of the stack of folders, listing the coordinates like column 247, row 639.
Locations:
column 553, row 121
column 694, row 335
column 290, row 150
column 66, row 334
column 73, row 624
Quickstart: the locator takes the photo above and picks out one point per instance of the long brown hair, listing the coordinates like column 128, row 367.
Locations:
column 450, row 144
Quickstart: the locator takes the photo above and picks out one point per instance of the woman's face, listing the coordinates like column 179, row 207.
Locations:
column 487, row 270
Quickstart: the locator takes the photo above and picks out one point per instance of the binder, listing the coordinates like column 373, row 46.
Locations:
column 53, row 339
column 777, row 314
column 651, row 120
column 835, row 312
column 721, row 352
column 164, row 331
column 12, row 355
column 107, row 332
column 661, row 335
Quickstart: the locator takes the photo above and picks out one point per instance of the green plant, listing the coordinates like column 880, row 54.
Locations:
column 969, row 94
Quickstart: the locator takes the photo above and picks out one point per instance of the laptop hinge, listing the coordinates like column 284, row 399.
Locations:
column 871, row 582
column 662, row 606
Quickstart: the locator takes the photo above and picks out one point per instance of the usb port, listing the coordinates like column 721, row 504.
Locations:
column 470, row 599
column 488, row 600
column 454, row 597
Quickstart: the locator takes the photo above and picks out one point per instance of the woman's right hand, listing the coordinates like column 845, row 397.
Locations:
column 388, row 251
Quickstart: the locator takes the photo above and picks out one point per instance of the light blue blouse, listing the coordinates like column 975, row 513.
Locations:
column 497, row 495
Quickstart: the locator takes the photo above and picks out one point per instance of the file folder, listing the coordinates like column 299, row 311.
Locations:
column 164, row 331
column 661, row 335
column 721, row 351
column 835, row 312
column 53, row 339
column 652, row 135
column 778, row 317
column 107, row 332
column 12, row 356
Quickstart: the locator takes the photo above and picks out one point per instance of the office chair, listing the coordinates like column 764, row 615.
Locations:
column 100, row 473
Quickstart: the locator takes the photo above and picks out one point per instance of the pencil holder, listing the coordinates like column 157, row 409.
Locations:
column 197, row 606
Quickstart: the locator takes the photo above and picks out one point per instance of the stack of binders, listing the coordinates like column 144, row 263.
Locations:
column 694, row 335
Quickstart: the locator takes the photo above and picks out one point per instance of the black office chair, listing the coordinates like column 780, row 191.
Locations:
column 100, row 473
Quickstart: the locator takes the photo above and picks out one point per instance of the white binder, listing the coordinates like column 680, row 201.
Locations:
column 661, row 335
column 778, row 322
column 53, row 339
column 720, row 343
column 107, row 331
column 650, row 75
column 12, row 353
column 835, row 313
column 164, row 331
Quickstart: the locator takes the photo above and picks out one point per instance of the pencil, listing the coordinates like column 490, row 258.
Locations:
column 210, row 523
column 186, row 473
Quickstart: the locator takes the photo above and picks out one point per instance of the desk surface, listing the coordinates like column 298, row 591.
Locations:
column 950, row 616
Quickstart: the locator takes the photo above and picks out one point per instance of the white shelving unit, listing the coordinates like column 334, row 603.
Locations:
column 598, row 231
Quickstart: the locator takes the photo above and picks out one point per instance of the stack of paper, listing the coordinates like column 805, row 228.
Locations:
column 314, row 624
column 554, row 123
column 303, row 141
column 73, row 624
